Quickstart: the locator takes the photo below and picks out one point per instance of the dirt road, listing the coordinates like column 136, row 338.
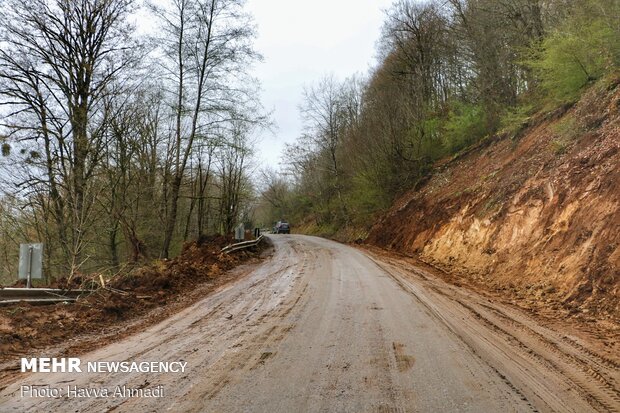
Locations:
column 325, row 327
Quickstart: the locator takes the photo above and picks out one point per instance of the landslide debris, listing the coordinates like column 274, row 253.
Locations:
column 157, row 286
column 534, row 215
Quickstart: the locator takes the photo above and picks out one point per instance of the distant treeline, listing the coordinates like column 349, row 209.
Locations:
column 451, row 73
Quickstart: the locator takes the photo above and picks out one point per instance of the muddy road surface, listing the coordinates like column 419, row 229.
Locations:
column 323, row 327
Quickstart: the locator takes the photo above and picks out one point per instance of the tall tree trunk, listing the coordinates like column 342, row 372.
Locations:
column 113, row 246
column 180, row 167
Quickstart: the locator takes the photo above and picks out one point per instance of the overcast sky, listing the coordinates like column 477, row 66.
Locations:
column 301, row 41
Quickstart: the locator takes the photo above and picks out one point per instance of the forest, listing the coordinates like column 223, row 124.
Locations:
column 450, row 75
column 120, row 142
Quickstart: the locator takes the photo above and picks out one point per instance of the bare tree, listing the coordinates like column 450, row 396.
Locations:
column 275, row 191
column 328, row 109
column 233, row 162
column 56, row 61
column 207, row 46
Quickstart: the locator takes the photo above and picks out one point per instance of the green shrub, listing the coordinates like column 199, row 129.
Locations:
column 584, row 47
column 568, row 128
column 515, row 119
column 465, row 125
column 567, row 131
column 559, row 146
column 366, row 198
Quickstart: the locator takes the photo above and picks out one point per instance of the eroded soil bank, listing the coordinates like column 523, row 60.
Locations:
column 533, row 216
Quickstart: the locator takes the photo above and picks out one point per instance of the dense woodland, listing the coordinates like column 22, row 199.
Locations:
column 119, row 146
column 450, row 75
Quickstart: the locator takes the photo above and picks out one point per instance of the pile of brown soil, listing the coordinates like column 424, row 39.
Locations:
column 535, row 215
column 200, row 267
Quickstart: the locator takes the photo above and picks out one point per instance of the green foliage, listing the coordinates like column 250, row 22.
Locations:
column 584, row 47
column 559, row 146
column 465, row 125
column 516, row 118
column 366, row 198
column 430, row 143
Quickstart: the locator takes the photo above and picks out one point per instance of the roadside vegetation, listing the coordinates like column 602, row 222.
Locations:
column 118, row 147
column 450, row 75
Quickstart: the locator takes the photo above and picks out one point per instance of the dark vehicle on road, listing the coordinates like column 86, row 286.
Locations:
column 282, row 227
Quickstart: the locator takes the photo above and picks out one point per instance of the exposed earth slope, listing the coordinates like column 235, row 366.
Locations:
column 535, row 215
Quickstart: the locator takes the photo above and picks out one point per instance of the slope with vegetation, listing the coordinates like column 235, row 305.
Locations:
column 535, row 215
column 486, row 140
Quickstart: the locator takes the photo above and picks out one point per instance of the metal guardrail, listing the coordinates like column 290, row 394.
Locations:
column 39, row 295
column 242, row 245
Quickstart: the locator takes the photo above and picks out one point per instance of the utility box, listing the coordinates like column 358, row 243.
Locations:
column 30, row 262
column 240, row 232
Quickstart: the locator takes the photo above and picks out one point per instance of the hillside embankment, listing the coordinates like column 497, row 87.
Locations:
column 534, row 215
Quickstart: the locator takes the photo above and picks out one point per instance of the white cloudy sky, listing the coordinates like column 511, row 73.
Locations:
column 301, row 41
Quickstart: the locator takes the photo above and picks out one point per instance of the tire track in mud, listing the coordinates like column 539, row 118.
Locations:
column 435, row 313
column 601, row 359
column 442, row 285
column 594, row 386
column 583, row 357
column 246, row 340
column 583, row 352
column 576, row 382
column 603, row 363
column 608, row 383
column 253, row 349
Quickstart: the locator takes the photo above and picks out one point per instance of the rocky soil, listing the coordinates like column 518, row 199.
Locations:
column 534, row 216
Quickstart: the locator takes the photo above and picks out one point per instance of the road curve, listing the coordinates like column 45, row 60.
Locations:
column 323, row 327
